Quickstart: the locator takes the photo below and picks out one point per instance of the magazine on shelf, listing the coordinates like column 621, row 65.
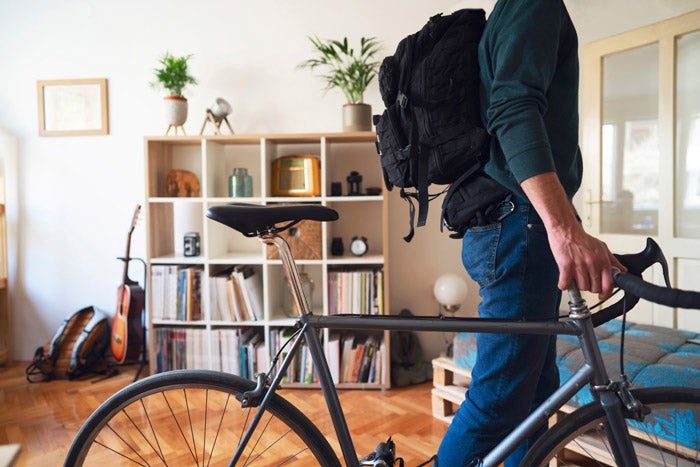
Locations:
column 358, row 291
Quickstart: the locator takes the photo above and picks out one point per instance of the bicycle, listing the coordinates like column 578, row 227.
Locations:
column 204, row 417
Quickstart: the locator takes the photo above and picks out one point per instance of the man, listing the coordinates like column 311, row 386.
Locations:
column 535, row 246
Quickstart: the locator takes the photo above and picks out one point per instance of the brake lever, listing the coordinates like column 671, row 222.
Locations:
column 638, row 262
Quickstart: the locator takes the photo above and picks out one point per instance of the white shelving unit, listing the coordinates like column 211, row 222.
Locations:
column 212, row 159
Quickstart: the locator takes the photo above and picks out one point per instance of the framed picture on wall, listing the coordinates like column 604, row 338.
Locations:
column 71, row 107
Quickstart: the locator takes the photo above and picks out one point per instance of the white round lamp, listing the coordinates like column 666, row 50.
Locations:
column 450, row 291
column 220, row 109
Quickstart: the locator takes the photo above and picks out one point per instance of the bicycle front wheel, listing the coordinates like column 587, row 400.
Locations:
column 192, row 417
column 668, row 435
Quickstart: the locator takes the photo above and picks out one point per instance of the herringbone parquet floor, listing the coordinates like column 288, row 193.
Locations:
column 44, row 417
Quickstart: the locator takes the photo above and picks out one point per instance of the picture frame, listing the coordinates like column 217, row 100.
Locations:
column 73, row 107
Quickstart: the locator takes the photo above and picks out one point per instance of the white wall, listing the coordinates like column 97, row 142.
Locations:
column 74, row 195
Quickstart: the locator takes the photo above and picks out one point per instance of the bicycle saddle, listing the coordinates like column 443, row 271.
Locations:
column 253, row 219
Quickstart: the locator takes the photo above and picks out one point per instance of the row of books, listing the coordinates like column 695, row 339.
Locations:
column 237, row 294
column 238, row 351
column 352, row 358
column 356, row 292
column 361, row 359
column 176, row 293
column 181, row 348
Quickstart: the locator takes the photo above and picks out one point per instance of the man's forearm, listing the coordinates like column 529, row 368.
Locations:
column 580, row 257
column 550, row 201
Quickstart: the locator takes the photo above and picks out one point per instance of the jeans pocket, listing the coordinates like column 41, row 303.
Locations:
column 479, row 247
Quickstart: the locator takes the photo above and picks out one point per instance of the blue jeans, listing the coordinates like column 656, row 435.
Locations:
column 511, row 261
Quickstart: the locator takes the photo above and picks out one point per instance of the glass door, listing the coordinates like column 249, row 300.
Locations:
column 641, row 145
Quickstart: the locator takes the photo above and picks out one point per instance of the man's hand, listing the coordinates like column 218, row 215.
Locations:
column 579, row 256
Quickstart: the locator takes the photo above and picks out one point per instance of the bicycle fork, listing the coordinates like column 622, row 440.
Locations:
column 609, row 394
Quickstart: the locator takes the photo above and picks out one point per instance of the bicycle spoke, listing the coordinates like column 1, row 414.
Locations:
column 119, row 454
column 127, row 444
column 189, row 419
column 159, row 452
column 218, row 428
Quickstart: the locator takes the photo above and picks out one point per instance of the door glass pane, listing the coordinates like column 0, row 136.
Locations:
column 630, row 141
column 688, row 136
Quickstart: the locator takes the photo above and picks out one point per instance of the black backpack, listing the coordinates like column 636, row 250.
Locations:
column 77, row 347
column 431, row 129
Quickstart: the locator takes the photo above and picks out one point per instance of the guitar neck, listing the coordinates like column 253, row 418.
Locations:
column 127, row 259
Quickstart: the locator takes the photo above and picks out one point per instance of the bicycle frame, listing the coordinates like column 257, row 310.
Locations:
column 592, row 372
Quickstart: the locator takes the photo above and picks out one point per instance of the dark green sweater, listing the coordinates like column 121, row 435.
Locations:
column 529, row 72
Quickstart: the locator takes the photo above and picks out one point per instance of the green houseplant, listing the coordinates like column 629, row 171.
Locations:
column 173, row 75
column 350, row 71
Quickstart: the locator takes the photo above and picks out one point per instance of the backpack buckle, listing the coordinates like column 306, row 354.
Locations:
column 402, row 100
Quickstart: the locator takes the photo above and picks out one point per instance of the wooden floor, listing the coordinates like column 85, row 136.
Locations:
column 44, row 417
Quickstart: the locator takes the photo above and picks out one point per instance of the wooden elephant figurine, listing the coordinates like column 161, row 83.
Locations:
column 182, row 183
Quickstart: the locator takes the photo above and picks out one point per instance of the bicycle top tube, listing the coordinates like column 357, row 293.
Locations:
column 440, row 323
column 253, row 219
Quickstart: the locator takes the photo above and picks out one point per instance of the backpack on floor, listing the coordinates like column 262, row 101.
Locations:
column 78, row 347
column 408, row 364
column 431, row 129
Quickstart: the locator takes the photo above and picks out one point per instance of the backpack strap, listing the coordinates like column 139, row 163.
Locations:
column 97, row 317
column 43, row 363
column 54, row 348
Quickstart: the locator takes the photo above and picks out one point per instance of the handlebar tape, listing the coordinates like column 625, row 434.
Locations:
column 662, row 295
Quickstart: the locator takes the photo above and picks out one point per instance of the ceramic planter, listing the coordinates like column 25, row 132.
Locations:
column 175, row 110
column 357, row 117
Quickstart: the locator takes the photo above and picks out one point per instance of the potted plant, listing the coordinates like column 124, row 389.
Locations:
column 173, row 75
column 351, row 73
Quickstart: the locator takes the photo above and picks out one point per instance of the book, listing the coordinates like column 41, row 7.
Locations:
column 241, row 294
column 370, row 347
column 346, row 357
column 333, row 356
column 250, row 282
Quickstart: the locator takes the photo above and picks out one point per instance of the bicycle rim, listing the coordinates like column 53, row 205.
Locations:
column 192, row 417
column 668, row 436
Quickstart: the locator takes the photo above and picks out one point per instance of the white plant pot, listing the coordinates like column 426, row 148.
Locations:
column 175, row 110
column 357, row 117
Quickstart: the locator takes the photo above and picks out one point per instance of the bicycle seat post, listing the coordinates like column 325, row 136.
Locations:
column 290, row 270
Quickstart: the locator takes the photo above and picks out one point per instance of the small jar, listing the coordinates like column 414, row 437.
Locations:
column 240, row 184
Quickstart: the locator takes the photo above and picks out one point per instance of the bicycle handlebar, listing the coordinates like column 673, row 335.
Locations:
column 634, row 286
column 668, row 296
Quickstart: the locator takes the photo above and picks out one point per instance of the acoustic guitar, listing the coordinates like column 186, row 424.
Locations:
column 127, row 329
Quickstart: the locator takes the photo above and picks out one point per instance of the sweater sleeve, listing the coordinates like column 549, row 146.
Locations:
column 522, row 46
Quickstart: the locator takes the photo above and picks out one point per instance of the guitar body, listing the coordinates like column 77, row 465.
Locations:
column 127, row 340
column 127, row 329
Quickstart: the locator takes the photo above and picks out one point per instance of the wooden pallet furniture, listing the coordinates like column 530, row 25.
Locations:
column 450, row 382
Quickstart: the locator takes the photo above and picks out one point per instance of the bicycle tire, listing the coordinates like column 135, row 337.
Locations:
column 579, row 436
column 191, row 417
